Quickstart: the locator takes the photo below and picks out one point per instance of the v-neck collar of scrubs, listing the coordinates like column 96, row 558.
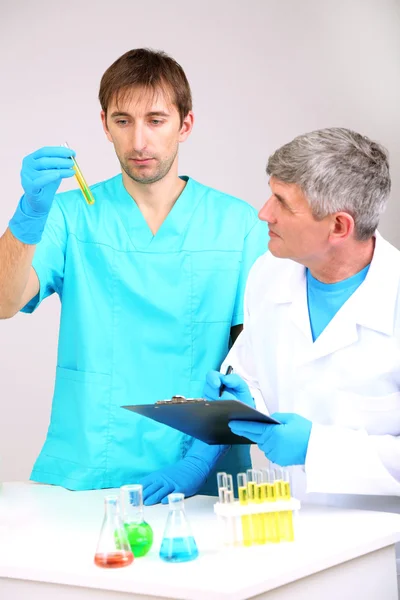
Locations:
column 172, row 228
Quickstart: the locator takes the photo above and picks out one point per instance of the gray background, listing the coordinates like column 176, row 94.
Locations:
column 261, row 71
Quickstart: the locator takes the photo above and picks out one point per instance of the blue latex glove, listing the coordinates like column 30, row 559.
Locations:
column 187, row 476
column 284, row 444
column 235, row 388
column 41, row 176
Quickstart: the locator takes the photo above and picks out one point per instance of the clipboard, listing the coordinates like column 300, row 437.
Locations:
column 202, row 419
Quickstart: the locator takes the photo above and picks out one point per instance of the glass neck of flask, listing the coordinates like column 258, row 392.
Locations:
column 111, row 506
column 175, row 502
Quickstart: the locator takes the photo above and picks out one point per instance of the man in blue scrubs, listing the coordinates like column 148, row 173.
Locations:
column 151, row 279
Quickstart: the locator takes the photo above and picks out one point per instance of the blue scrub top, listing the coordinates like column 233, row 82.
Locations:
column 143, row 317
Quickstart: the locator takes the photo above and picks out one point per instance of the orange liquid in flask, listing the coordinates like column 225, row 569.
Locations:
column 113, row 560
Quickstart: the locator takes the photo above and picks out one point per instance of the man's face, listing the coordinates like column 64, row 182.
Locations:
column 146, row 131
column 294, row 232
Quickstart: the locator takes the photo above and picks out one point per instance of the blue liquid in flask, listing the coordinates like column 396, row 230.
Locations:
column 179, row 549
column 178, row 544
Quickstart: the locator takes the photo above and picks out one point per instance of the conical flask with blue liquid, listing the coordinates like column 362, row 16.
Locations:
column 178, row 544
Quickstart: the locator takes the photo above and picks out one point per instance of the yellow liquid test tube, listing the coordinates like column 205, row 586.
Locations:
column 266, row 516
column 280, row 494
column 256, row 520
column 269, row 493
column 285, row 518
column 288, row 495
column 247, row 533
column 262, row 520
column 87, row 194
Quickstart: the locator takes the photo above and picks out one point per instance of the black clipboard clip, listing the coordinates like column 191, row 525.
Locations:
column 179, row 400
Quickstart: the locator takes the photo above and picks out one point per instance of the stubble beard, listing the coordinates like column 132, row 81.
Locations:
column 161, row 170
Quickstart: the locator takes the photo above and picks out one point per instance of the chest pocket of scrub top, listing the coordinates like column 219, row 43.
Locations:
column 215, row 277
column 79, row 417
column 377, row 415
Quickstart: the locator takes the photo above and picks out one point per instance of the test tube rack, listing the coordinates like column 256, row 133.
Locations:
column 256, row 524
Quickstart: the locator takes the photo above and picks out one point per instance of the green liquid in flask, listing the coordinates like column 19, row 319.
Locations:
column 140, row 537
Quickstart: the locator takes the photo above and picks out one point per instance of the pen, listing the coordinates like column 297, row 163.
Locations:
column 222, row 386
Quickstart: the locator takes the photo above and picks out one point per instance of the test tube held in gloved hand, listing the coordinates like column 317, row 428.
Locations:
column 87, row 194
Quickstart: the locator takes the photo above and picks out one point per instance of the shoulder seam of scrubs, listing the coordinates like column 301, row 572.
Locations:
column 225, row 195
column 256, row 221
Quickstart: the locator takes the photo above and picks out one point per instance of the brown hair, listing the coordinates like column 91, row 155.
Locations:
column 148, row 69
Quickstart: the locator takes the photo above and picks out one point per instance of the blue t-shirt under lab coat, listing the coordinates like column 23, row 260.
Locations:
column 325, row 299
column 143, row 318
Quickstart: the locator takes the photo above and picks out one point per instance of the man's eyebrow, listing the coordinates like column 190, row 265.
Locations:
column 119, row 114
column 153, row 113
column 157, row 113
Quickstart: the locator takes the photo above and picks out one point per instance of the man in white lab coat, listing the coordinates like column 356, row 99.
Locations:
column 320, row 348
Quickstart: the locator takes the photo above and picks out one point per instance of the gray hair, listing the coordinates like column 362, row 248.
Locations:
column 337, row 170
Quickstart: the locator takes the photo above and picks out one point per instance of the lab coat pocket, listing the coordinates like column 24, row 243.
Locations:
column 378, row 415
column 80, row 414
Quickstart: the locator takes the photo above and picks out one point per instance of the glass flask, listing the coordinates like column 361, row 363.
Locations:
column 139, row 533
column 178, row 544
column 113, row 548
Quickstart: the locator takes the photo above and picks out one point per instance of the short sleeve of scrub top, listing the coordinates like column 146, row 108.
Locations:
column 50, row 272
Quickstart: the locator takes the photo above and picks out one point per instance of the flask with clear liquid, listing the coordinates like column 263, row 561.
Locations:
column 139, row 533
column 178, row 544
column 113, row 548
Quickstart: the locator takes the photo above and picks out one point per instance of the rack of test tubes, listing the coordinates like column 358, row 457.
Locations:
column 263, row 513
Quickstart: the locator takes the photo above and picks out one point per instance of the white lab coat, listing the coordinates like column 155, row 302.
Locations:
column 347, row 382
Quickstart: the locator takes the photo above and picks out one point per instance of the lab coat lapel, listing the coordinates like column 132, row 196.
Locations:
column 290, row 289
column 339, row 333
column 372, row 305
column 299, row 306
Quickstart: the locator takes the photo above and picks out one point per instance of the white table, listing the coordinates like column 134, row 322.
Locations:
column 48, row 537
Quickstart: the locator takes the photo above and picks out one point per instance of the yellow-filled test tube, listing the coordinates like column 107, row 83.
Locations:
column 269, row 495
column 262, row 518
column 87, row 194
column 253, row 496
column 289, row 514
column 282, row 486
column 247, row 531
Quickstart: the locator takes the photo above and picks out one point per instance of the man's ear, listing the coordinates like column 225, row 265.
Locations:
column 342, row 227
column 104, row 123
column 186, row 127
